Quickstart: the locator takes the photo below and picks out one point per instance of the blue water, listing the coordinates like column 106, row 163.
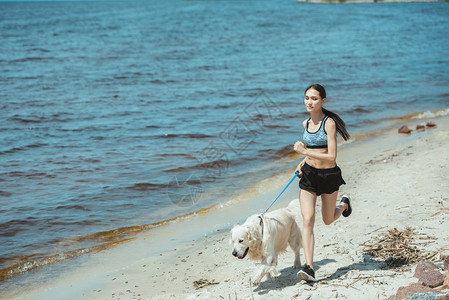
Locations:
column 118, row 114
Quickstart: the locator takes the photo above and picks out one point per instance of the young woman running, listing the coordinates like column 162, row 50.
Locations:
column 320, row 175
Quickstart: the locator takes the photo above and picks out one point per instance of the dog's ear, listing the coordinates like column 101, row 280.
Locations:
column 254, row 235
column 230, row 237
column 250, row 235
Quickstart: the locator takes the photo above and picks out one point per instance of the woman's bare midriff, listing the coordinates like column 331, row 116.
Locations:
column 319, row 164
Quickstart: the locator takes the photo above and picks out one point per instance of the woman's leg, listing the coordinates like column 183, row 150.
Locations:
column 329, row 211
column 307, row 201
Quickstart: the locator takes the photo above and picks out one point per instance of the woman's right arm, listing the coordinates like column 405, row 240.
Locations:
column 299, row 167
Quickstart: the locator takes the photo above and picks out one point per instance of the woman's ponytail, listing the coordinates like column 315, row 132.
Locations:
column 341, row 125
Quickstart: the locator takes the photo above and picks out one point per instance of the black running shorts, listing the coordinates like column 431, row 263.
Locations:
column 320, row 181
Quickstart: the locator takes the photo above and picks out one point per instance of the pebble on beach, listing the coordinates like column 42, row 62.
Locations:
column 404, row 129
column 419, row 128
column 429, row 274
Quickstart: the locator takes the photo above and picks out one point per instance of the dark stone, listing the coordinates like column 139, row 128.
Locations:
column 446, row 263
column 404, row 129
column 414, row 288
column 429, row 274
column 420, row 127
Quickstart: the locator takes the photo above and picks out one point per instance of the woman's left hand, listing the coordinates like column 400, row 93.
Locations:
column 300, row 147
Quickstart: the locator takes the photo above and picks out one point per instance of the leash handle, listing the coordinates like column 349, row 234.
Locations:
column 296, row 175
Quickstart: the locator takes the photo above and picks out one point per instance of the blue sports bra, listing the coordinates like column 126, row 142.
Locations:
column 317, row 139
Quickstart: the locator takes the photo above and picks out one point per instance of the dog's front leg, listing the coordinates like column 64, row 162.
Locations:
column 271, row 262
column 265, row 270
column 260, row 273
column 267, row 267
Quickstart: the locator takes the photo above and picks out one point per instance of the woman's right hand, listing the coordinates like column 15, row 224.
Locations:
column 299, row 167
column 300, row 147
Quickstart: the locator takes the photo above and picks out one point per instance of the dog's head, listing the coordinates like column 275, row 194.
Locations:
column 240, row 239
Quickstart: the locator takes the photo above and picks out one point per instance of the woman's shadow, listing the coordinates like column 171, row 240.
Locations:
column 288, row 275
column 287, row 278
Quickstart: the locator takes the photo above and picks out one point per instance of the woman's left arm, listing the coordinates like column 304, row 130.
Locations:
column 331, row 155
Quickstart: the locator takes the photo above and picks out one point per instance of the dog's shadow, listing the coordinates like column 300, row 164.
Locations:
column 368, row 263
column 288, row 275
column 287, row 278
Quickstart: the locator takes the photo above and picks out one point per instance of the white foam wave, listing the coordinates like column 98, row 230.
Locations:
column 432, row 114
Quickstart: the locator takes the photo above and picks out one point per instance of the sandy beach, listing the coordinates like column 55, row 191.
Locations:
column 395, row 181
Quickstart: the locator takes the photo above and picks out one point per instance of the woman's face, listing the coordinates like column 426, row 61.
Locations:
column 313, row 101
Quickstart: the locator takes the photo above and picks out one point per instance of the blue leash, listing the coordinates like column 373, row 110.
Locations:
column 296, row 174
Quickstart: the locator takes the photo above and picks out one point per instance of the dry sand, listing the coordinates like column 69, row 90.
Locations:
column 393, row 180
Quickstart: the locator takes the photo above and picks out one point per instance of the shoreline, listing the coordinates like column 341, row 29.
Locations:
column 117, row 236
column 143, row 270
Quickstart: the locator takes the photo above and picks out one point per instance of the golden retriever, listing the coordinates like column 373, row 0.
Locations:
column 262, row 238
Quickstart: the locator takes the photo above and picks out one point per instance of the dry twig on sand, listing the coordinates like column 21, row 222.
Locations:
column 198, row 284
column 397, row 247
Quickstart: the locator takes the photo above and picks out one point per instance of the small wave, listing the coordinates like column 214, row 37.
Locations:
column 56, row 117
column 207, row 107
column 91, row 160
column 97, row 138
column 209, row 68
column 33, row 58
column 277, row 126
column 175, row 155
column 267, row 24
column 25, row 120
column 182, row 184
column 23, row 148
column 298, row 117
column 157, row 81
column 72, row 207
column 146, row 187
column 187, row 135
column 358, row 110
column 433, row 114
column 41, row 50
column 230, row 95
column 5, row 194
column 221, row 106
column 286, row 151
column 12, row 227
column 30, row 175
column 30, row 77
column 394, row 102
column 219, row 163
column 66, row 223
column 423, row 115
